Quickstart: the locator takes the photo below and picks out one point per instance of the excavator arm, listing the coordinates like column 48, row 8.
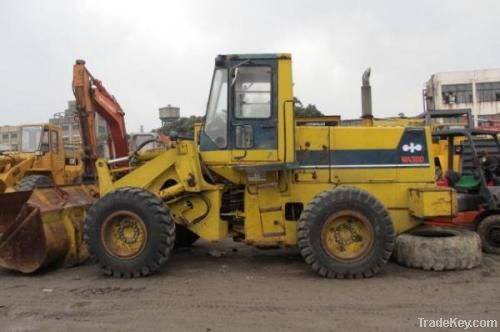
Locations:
column 92, row 98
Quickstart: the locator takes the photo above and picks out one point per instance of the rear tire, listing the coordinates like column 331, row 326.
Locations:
column 34, row 181
column 345, row 233
column 129, row 233
column 489, row 231
column 438, row 249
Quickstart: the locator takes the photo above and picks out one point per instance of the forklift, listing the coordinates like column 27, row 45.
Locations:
column 477, row 183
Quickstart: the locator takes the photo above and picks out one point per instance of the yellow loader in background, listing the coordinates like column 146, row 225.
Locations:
column 40, row 161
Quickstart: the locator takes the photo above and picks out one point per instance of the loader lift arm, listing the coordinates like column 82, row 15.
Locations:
column 91, row 98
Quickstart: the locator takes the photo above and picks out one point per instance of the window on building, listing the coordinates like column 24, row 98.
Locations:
column 76, row 127
column 488, row 91
column 5, row 136
column 13, row 136
column 65, row 128
column 457, row 93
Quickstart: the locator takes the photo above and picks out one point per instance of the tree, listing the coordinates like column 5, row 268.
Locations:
column 182, row 127
column 309, row 111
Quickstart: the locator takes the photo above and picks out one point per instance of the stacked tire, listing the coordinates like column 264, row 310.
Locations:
column 438, row 249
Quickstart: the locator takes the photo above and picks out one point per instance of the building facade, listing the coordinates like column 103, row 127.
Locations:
column 9, row 137
column 70, row 126
column 68, row 121
column 477, row 90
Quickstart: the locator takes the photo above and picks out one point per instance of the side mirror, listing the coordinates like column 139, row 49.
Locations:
column 244, row 137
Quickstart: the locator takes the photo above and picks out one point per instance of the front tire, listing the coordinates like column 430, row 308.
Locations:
column 345, row 233
column 129, row 233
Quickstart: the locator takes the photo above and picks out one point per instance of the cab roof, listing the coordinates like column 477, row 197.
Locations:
column 225, row 59
column 259, row 56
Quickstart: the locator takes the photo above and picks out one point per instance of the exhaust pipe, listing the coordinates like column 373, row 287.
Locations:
column 366, row 99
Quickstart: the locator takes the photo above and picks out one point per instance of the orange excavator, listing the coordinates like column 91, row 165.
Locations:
column 92, row 98
column 44, row 226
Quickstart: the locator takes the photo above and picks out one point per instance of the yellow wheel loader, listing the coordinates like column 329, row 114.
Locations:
column 38, row 228
column 251, row 173
column 40, row 161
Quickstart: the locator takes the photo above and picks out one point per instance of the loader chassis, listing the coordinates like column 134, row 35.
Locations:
column 339, row 193
column 274, row 195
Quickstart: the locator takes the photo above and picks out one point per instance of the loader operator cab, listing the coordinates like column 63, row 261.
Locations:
column 245, row 109
column 39, row 139
column 45, row 142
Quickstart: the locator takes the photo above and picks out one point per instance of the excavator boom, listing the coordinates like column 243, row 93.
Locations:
column 92, row 98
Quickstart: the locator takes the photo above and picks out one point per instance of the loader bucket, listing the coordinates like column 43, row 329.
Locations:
column 43, row 227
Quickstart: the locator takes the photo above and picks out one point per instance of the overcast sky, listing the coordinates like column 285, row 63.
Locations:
column 152, row 53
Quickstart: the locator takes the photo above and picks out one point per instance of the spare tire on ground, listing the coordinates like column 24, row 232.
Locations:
column 438, row 249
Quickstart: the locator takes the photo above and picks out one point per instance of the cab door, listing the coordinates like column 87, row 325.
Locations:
column 253, row 132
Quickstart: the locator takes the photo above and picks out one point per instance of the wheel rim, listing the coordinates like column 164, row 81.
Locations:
column 347, row 235
column 124, row 234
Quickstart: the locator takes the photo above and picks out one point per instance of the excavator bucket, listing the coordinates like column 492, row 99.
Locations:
column 43, row 227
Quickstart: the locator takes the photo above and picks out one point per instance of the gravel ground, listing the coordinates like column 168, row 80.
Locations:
column 231, row 287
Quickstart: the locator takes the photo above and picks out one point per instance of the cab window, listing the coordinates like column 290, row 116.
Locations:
column 216, row 120
column 54, row 141
column 30, row 138
column 44, row 146
column 252, row 92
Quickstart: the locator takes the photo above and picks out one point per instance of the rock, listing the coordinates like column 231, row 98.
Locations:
column 216, row 253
